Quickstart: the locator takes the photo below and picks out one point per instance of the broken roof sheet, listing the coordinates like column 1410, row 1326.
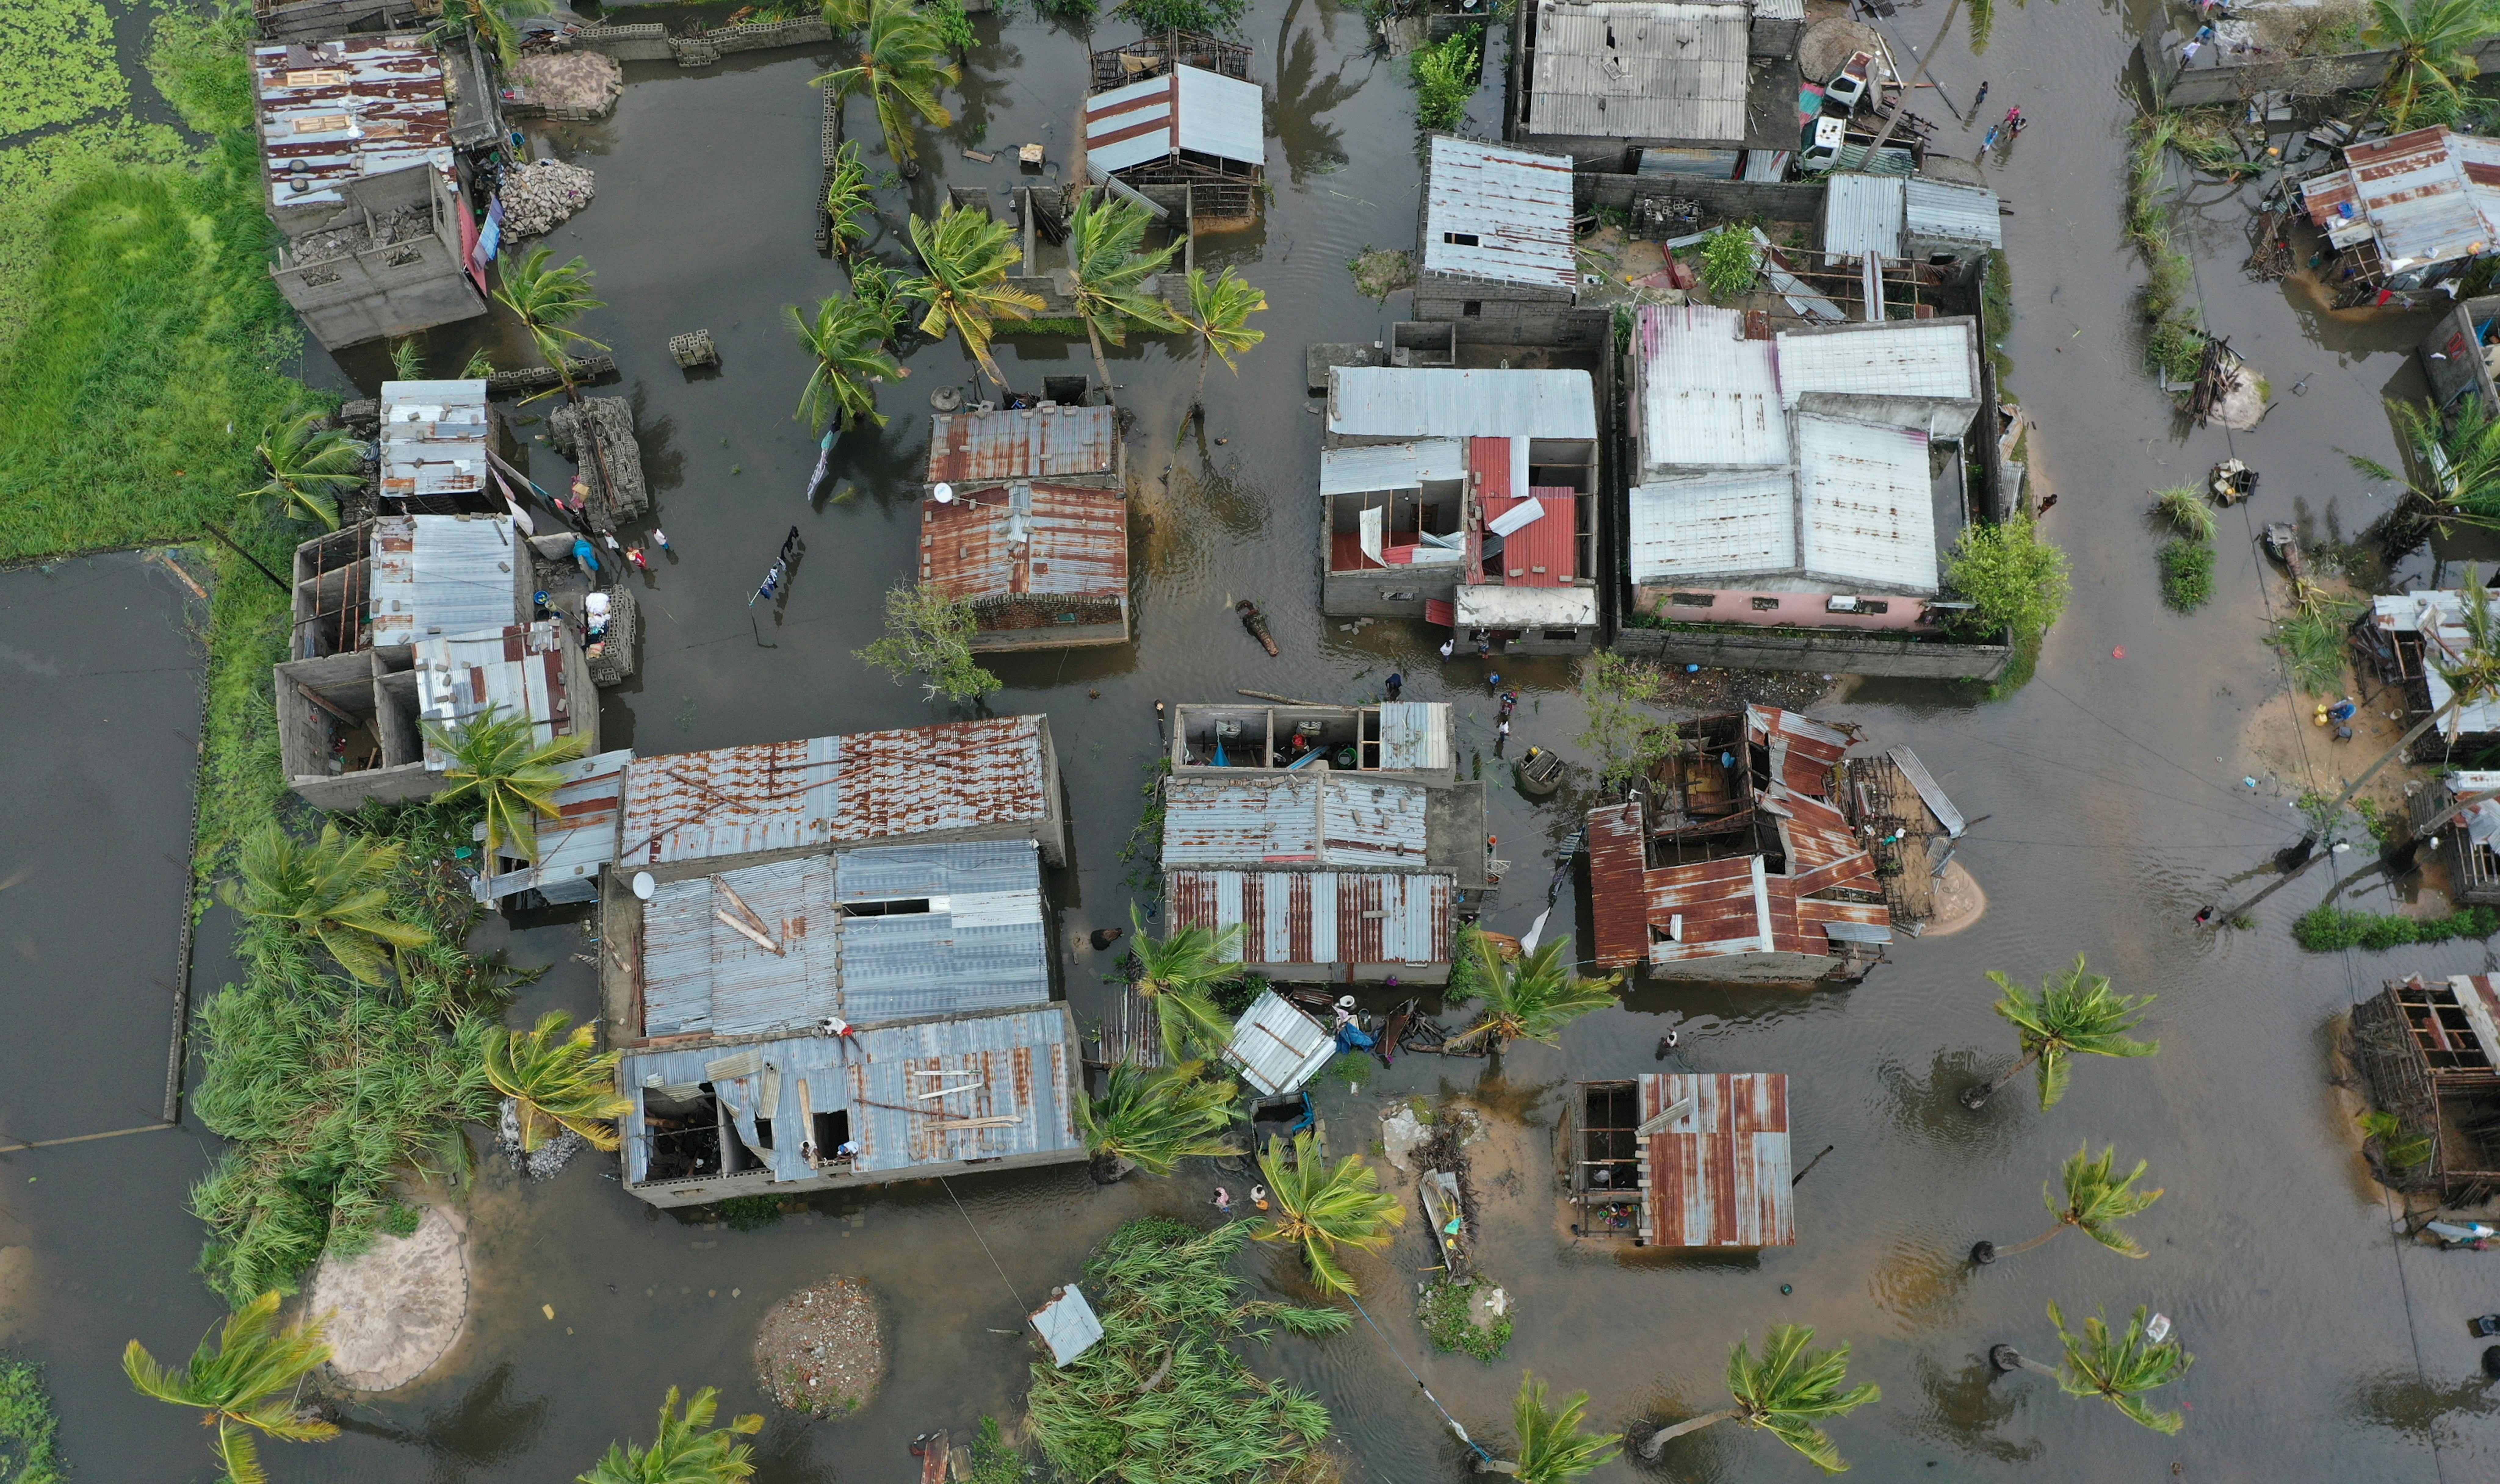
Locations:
column 1544, row 552
column 517, row 670
column 1869, row 510
column 1415, row 735
column 2438, row 618
column 825, row 791
column 1862, row 214
column 1499, row 213
column 441, row 575
column 1414, row 402
column 345, row 109
column 1276, row 1048
column 1361, row 468
column 1318, row 917
column 1274, row 818
column 1717, row 1174
column 581, row 837
column 433, row 439
column 1185, row 109
column 1057, row 539
column 1060, row 442
column 1709, row 397
column 1624, row 69
column 2426, row 196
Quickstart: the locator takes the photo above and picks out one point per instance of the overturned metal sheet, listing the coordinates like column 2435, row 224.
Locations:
column 1276, row 1048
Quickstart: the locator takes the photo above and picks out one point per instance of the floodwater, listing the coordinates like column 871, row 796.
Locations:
column 2110, row 794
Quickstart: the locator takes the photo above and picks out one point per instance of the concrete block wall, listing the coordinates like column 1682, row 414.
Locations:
column 1771, row 201
column 325, row 19
column 1809, row 648
column 2177, row 85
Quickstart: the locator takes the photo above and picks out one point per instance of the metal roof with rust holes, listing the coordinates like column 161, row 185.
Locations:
column 1059, row 442
column 2428, row 196
column 433, row 439
column 1717, row 1174
column 517, row 670
column 1640, row 69
column 1498, row 212
column 1055, row 540
column 343, row 111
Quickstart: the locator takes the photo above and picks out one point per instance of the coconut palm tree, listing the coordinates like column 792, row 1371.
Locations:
column 2471, row 669
column 1105, row 272
column 689, row 1449
column 333, row 891
column 546, row 301
column 307, row 463
column 2119, row 1368
column 556, row 1080
column 1151, row 1122
column 498, row 760
column 846, row 199
column 1177, row 974
column 1323, row 1207
column 1218, row 316
column 2431, row 52
column 248, row 1384
column 882, row 293
column 1788, row 1394
column 847, row 340
column 903, row 61
column 2075, row 1014
column 494, row 21
column 1552, row 1446
column 2094, row 1202
column 1530, row 997
column 967, row 255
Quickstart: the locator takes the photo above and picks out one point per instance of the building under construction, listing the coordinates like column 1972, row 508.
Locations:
column 2429, row 1054
column 1680, row 1160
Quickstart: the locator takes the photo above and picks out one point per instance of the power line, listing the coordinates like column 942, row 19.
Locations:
column 1021, row 1306
column 1394, row 1353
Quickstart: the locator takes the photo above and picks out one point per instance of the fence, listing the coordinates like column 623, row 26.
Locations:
column 2176, row 84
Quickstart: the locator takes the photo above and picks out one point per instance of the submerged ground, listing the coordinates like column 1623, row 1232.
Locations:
column 2112, row 791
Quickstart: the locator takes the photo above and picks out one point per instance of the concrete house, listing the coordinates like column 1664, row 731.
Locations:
column 1604, row 79
column 2458, row 356
column 1496, row 233
column 1027, row 519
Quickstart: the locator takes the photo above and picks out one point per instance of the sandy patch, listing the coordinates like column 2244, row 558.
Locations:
column 822, row 1349
column 1959, row 902
column 393, row 1311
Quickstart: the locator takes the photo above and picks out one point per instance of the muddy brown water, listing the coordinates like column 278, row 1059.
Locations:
column 2111, row 788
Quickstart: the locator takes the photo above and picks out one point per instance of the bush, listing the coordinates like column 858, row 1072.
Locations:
column 1447, row 1313
column 2012, row 577
column 748, row 1214
column 2187, row 512
column 2327, row 928
column 2312, row 643
column 2187, row 574
column 954, row 27
column 27, row 1453
column 1728, row 263
column 1208, row 18
column 1446, row 77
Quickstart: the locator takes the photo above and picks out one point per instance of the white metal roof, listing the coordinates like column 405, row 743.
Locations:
column 1367, row 467
column 1862, row 214
column 1717, row 524
column 1946, row 210
column 1493, row 605
column 1638, row 69
column 1187, row 108
column 1710, row 397
column 1888, row 360
column 1499, row 213
column 1222, row 117
column 437, row 576
column 1869, row 510
column 1400, row 402
column 2440, row 619
column 1066, row 1325
column 433, row 439
column 1276, row 1048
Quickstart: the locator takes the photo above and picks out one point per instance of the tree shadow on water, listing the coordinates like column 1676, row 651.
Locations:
column 1927, row 1103
column 1964, row 1408
column 487, row 1425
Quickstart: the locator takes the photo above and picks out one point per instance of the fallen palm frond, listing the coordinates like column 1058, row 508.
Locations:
column 2312, row 641
column 2187, row 512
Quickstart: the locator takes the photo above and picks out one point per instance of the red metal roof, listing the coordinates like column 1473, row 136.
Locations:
column 1615, row 885
column 1076, row 544
column 1718, row 1176
column 1022, row 443
column 1540, row 553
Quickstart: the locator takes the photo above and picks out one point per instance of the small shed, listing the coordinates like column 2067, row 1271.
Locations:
column 1496, row 232
column 434, row 443
column 1043, row 565
column 1713, row 1162
column 1185, row 126
column 1276, row 1048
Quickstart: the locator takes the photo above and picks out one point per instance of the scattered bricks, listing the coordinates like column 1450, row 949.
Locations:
column 537, row 379
column 613, row 474
column 693, row 350
column 539, row 195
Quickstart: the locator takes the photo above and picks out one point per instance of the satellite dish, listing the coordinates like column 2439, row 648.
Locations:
column 944, row 493
column 645, row 886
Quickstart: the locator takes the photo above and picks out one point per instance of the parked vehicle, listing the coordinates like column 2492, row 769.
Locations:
column 1827, row 143
column 1849, row 86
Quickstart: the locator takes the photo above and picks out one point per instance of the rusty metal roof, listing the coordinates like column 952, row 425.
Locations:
column 1318, row 917
column 1618, row 901
column 1058, row 539
column 579, row 841
column 826, row 792
column 441, row 576
column 1022, row 443
column 517, row 670
column 2426, row 196
column 433, row 439
column 1271, row 818
column 347, row 110
column 1718, row 1175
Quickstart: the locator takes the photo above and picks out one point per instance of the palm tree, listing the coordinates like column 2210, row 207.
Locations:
column 556, row 1078
column 498, row 758
column 967, row 255
column 2429, row 44
column 306, row 461
column 1177, row 974
column 238, row 1386
column 2471, row 671
column 883, row 294
column 689, row 1449
column 546, row 301
column 1552, row 1447
column 1324, row 1207
column 2095, row 1201
column 1530, row 997
column 1105, row 272
column 1151, row 1122
column 1218, row 314
column 1787, row 1394
column 902, row 60
column 847, row 341
column 334, row 890
column 846, row 197
column 493, row 20
column 2121, row 1369
column 2075, row 1014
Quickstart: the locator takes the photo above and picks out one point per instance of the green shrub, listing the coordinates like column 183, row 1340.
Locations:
column 1447, row 1312
column 2187, row 512
column 1446, row 75
column 2012, row 577
column 28, row 1454
column 1208, row 18
column 1729, row 261
column 2312, row 644
column 954, row 27
column 2187, row 574
column 2327, row 928
column 748, row 1214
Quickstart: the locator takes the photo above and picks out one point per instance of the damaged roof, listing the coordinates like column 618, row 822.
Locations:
column 433, row 439
column 518, row 672
column 1499, row 213
column 1717, row 1174
column 1263, row 817
column 1058, row 539
column 581, row 838
column 441, row 576
column 2438, row 618
column 1060, row 443
column 336, row 112
column 1640, row 69
column 2426, row 196
column 1318, row 917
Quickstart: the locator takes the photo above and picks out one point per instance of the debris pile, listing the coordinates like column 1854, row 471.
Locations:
column 822, row 1350
column 549, row 1159
column 567, row 84
column 410, row 221
column 541, row 195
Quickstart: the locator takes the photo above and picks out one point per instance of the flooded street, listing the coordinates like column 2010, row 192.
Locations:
column 2111, row 788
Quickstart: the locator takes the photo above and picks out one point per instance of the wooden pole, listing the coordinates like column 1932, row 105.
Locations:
column 275, row 581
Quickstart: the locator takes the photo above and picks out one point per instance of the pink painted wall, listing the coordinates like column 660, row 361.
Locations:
column 1804, row 609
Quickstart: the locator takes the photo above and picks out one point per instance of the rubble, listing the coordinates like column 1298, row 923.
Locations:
column 541, row 195
column 573, row 86
column 408, row 222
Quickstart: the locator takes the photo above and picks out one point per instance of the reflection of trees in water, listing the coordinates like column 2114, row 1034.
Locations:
column 485, row 1426
column 1227, row 494
column 1918, row 1282
column 1493, row 1094
column 1928, row 1105
column 1304, row 94
column 2403, row 1401
column 982, row 89
column 1964, row 1408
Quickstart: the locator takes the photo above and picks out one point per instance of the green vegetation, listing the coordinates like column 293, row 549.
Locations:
column 929, row 635
column 848, row 199
column 2094, row 1200
column 2012, row 577
column 546, row 301
column 2326, row 928
column 2472, row 670
column 903, row 62
column 1322, row 1206
column 2175, row 341
column 2119, row 1368
column 2389, row 1130
column 2187, row 512
column 2187, row 574
column 1165, row 1395
column 1530, row 996
column 748, row 1214
column 28, row 1452
column 687, row 1450
column 1106, row 274
column 1380, row 272
column 1178, row 975
column 1729, row 261
column 953, row 26
column 1626, row 740
column 1446, row 75
column 333, row 892
column 309, row 464
column 2456, row 464
column 498, row 761
column 2311, row 640
column 2430, row 45
column 1218, row 320
column 1155, row 1119
column 967, row 255
column 1448, row 1312
column 846, row 342
column 1789, row 1394
column 559, row 1079
column 58, row 56
column 993, row 1461
column 494, row 21
column 1208, row 18
column 1552, row 1446
column 248, row 1384
column 2074, row 1013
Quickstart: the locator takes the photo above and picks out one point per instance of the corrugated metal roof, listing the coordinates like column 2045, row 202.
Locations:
column 520, row 672
column 1276, row 1048
column 1779, row 10
column 433, row 439
column 1887, row 360
column 1364, row 821
column 347, row 108
column 980, row 945
column 825, row 791
column 1051, row 538
column 1364, row 467
column 1318, row 917
column 1946, row 210
column 1724, row 524
column 1222, row 116
column 1618, row 897
column 1544, row 552
column 1017, row 1065
column 2438, row 618
column 1709, row 397
column 1066, row 1325
column 1401, row 402
column 1348, row 820
column 2428, row 196
column 1022, row 443
column 579, row 840
column 1499, row 213
column 1627, row 70
column 1130, row 125
column 1141, row 122
column 1862, row 214
column 1490, row 605
column 1869, row 510
column 437, row 575
column 1415, row 735
column 1718, row 1176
